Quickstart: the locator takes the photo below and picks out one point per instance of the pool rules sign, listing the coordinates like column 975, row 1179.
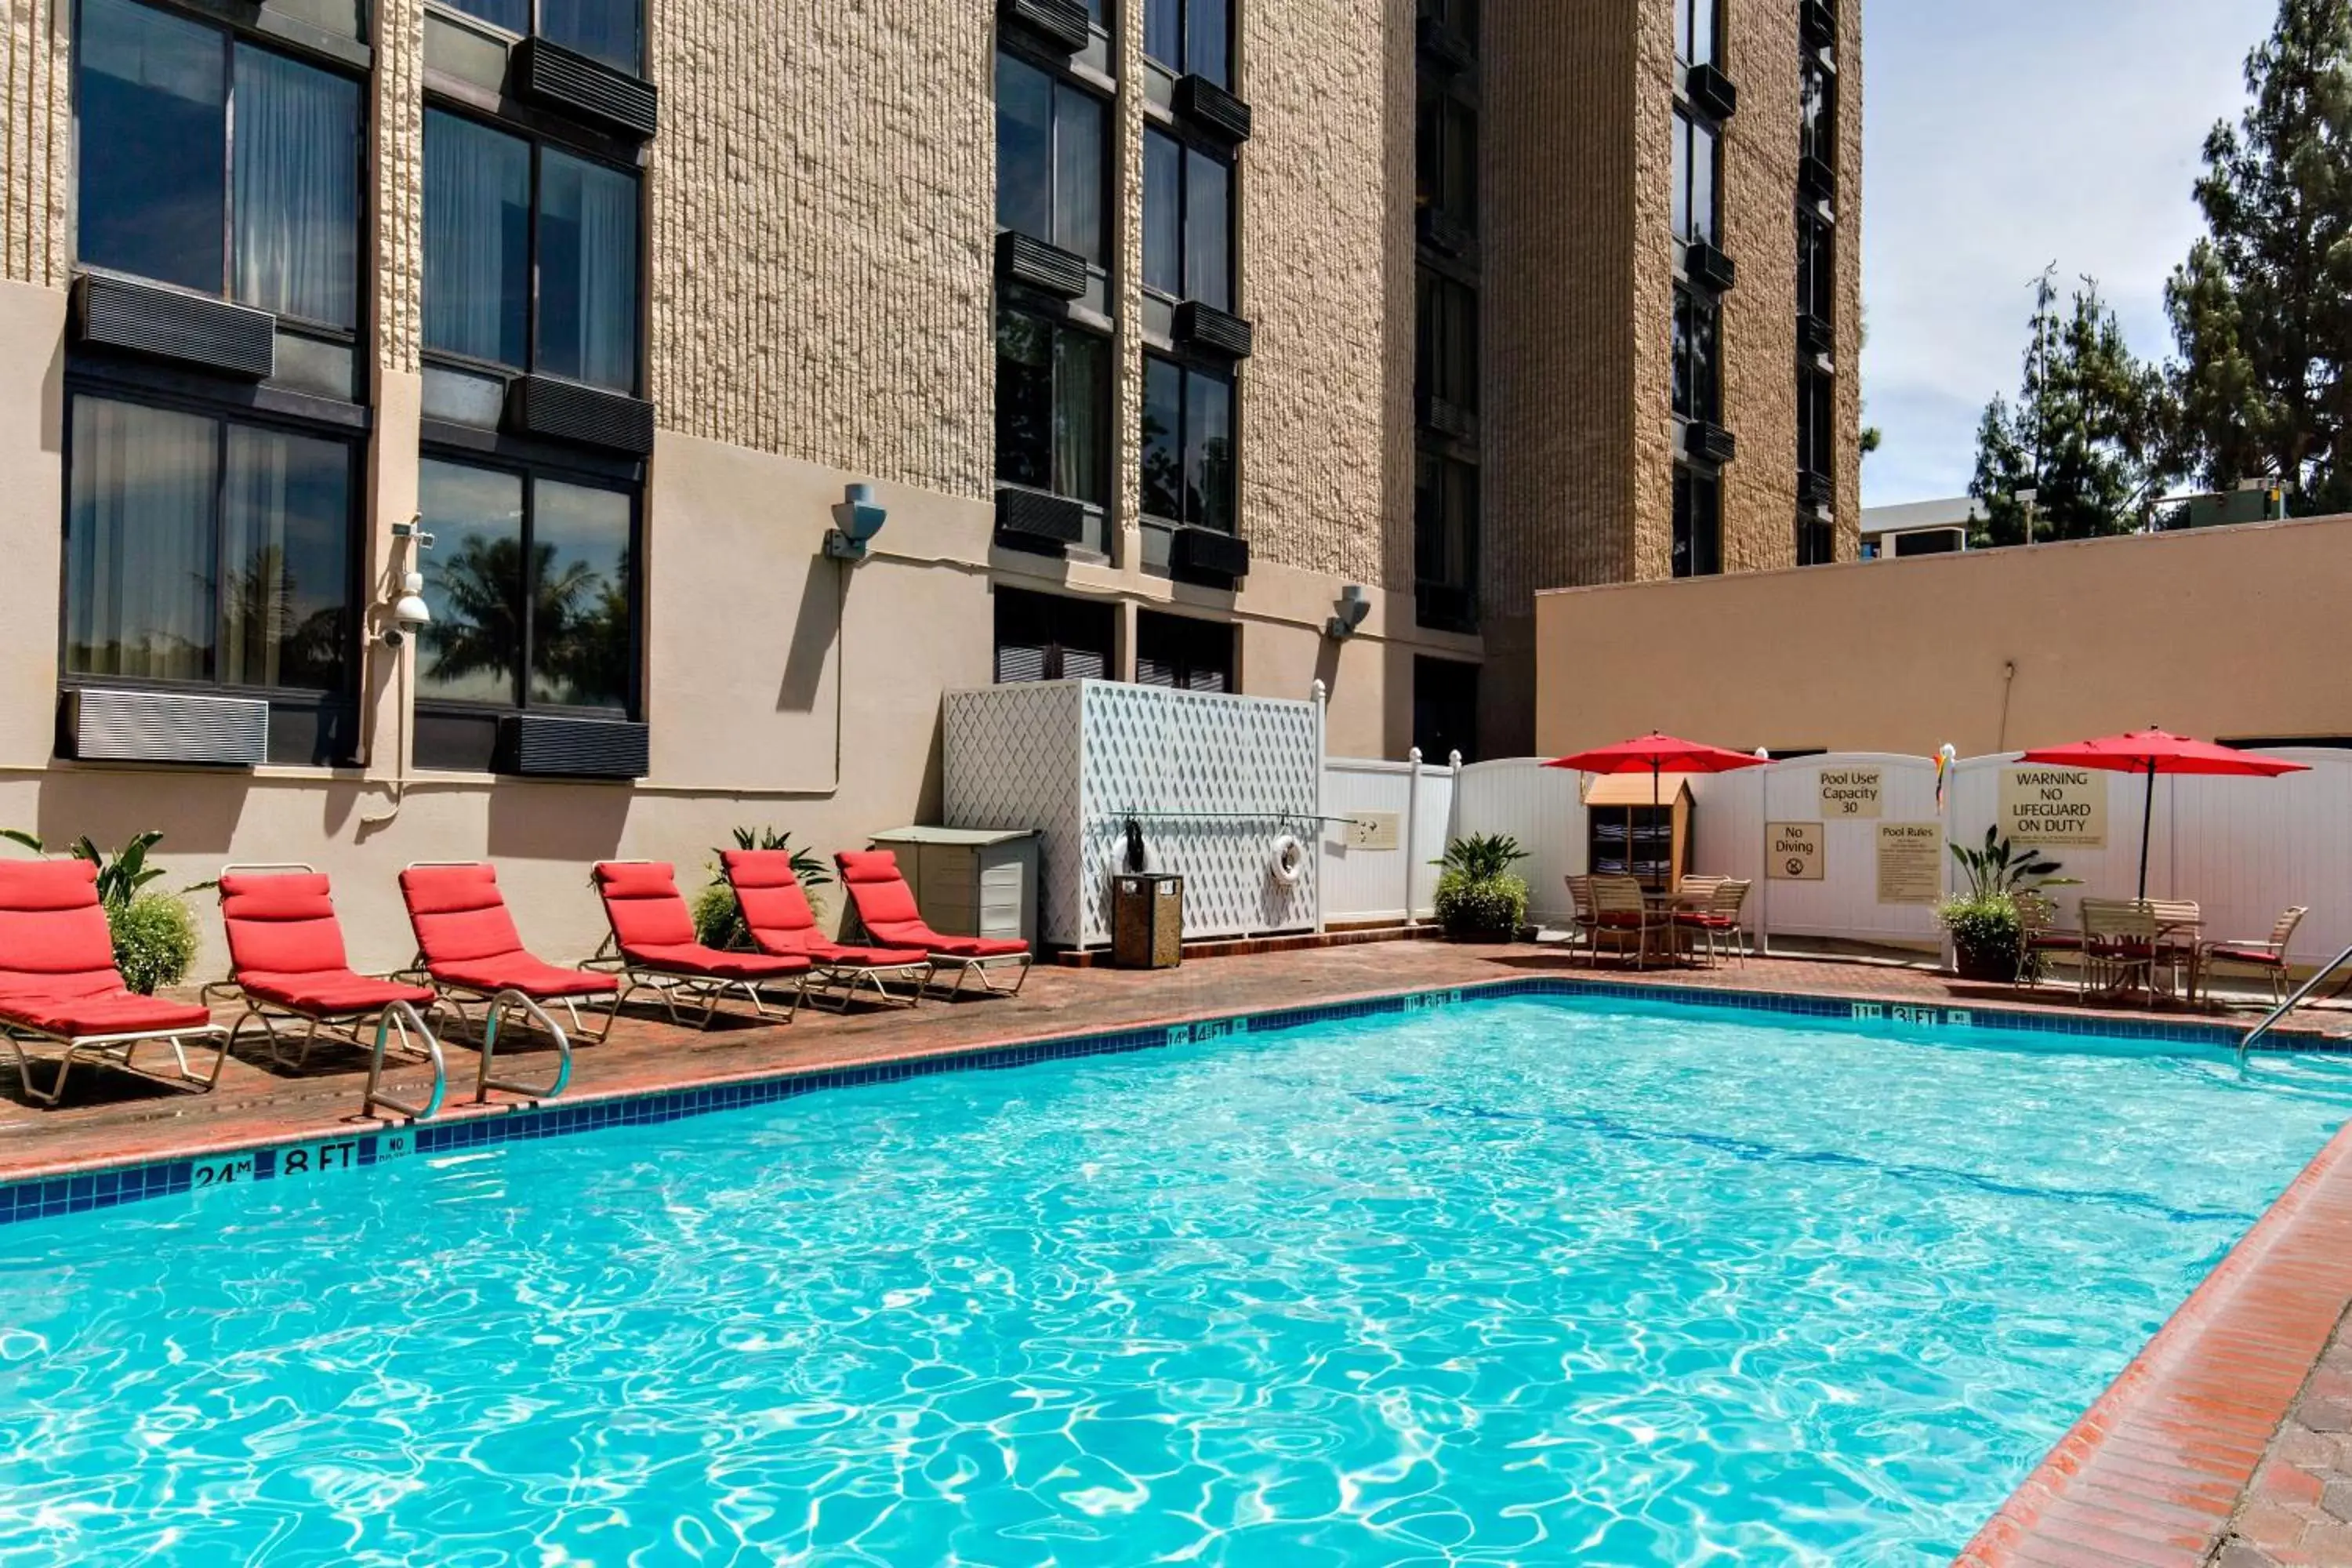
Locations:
column 2055, row 806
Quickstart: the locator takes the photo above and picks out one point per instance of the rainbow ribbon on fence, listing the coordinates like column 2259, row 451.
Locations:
column 1946, row 756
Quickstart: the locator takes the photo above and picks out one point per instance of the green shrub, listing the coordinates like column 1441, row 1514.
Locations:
column 1482, row 857
column 154, row 941
column 1987, row 932
column 1494, row 907
column 717, row 919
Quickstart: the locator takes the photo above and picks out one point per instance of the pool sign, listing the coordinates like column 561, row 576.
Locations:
column 2055, row 806
column 1910, row 862
column 1853, row 794
column 1793, row 851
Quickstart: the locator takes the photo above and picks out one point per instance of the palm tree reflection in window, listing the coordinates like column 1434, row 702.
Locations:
column 268, row 641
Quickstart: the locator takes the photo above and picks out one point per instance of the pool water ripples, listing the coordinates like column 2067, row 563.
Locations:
column 1514, row 1281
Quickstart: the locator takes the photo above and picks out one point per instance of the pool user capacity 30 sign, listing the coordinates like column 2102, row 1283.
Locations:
column 2055, row 806
column 1853, row 794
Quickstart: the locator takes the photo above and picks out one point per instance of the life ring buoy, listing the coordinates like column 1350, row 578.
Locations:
column 1289, row 861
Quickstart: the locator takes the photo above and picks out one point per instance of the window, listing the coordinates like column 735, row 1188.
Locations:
column 1816, row 421
column 1697, row 357
column 1816, row 124
column 207, row 550
column 1446, row 708
column 1188, row 444
column 266, row 213
column 1053, row 397
column 1698, row 522
column 1446, row 359
column 1692, row 203
column 607, row 30
column 1816, row 543
column 1816, row 266
column 1044, row 636
column 1191, row 37
column 1695, row 31
column 531, row 583
column 1050, row 169
column 1446, row 156
column 1180, row 651
column 1187, row 222
column 1445, row 542
column 500, row 211
column 1461, row 16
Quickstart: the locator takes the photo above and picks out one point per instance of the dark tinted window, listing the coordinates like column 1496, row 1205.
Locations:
column 1692, row 199
column 1447, row 353
column 587, row 272
column 1446, row 156
column 1188, row 244
column 1053, row 396
column 1188, row 444
column 1049, row 158
column 1180, row 651
column 476, row 241
column 607, row 30
column 1698, row 522
column 1816, row 421
column 1445, row 542
column 1696, row 23
column 1698, row 360
column 1190, row 37
column 1446, row 708
column 1816, row 265
column 1818, row 108
column 1044, row 636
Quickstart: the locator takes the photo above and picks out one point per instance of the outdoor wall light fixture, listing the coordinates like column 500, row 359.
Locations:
column 860, row 517
column 1353, row 609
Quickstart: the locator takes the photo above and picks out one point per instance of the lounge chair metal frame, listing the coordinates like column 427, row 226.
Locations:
column 117, row 1049
column 970, row 969
column 667, row 985
column 840, row 980
column 455, row 998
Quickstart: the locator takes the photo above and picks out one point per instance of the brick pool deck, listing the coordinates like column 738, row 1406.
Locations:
column 2228, row 1440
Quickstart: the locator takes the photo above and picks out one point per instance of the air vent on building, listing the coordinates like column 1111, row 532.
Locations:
column 1711, row 92
column 1708, row 443
column 1446, row 45
column 1212, row 109
column 1814, row 335
column 1032, row 520
column 1816, row 178
column 1711, row 268
column 1048, row 268
column 1448, row 418
column 99, row 725
column 538, row 745
column 584, row 415
column 1061, row 23
column 560, row 78
column 1818, row 22
column 1213, row 331
column 1206, row 553
column 164, row 323
column 1444, row 234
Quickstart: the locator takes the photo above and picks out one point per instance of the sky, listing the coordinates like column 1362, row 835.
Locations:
column 2000, row 136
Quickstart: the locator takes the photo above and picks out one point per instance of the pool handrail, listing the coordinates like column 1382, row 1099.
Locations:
column 2301, row 992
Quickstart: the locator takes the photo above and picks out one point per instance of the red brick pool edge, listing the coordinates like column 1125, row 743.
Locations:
column 2161, row 1466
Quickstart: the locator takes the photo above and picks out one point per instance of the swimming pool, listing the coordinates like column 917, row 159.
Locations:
column 1528, row 1279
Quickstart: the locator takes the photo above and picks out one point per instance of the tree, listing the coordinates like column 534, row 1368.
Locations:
column 2086, row 432
column 2259, row 309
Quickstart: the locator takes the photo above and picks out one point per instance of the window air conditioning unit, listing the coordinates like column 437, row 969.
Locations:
column 1817, row 493
column 1032, row 520
column 584, row 415
column 539, row 745
column 97, row 725
column 1448, row 418
column 1709, row 443
column 1711, row 92
column 1214, row 110
column 1815, row 335
column 1711, row 268
column 573, row 83
column 1217, row 331
column 1448, row 45
column 1206, row 553
column 1048, row 268
column 1444, row 234
column 1818, row 23
column 1060, row 23
column 1816, row 178
column 164, row 323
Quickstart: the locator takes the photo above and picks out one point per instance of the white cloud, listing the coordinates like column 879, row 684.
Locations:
column 2002, row 135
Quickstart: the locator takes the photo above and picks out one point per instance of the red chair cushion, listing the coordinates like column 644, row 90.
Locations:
column 116, row 1011
column 835, row 955
column 458, row 914
column 1620, row 921
column 282, row 924
column 2055, row 940
column 539, row 981
column 1708, row 923
column 696, row 961
column 886, row 909
column 976, row 947
column 331, row 993
column 776, row 910
column 54, row 940
column 2263, row 956
column 642, row 900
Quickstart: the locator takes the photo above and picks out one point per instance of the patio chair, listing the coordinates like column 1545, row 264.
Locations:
column 2118, row 946
column 2266, row 958
column 1622, row 917
column 288, row 964
column 887, row 910
column 652, row 947
column 60, row 985
column 2178, row 921
column 777, row 914
column 1719, row 919
column 2040, row 934
column 1580, row 894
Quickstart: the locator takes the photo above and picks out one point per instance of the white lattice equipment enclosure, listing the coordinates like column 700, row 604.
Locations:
column 1223, row 790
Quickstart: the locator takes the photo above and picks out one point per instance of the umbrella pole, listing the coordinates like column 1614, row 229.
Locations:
column 1658, row 887
column 2147, row 824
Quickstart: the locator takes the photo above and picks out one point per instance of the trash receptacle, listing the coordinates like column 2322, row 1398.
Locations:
column 1147, row 920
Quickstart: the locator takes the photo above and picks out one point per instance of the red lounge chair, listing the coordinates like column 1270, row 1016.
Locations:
column 778, row 916
column 58, row 985
column 654, row 946
column 886, row 909
column 288, row 960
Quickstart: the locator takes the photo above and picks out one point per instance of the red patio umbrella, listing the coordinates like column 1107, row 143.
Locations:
column 1657, row 753
column 2154, row 752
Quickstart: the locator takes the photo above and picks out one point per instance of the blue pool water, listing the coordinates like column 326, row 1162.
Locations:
column 1531, row 1281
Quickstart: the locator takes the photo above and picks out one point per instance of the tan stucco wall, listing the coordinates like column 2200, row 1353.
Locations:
column 2228, row 633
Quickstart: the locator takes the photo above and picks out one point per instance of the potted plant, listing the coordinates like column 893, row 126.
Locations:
column 1479, row 898
column 1988, row 929
column 717, row 919
column 155, row 933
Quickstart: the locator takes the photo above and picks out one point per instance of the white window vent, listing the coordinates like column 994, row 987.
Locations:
column 99, row 725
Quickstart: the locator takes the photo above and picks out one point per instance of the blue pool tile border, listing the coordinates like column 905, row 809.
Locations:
column 285, row 1159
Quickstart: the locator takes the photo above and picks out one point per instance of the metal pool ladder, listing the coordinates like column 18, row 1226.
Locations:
column 2302, row 993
